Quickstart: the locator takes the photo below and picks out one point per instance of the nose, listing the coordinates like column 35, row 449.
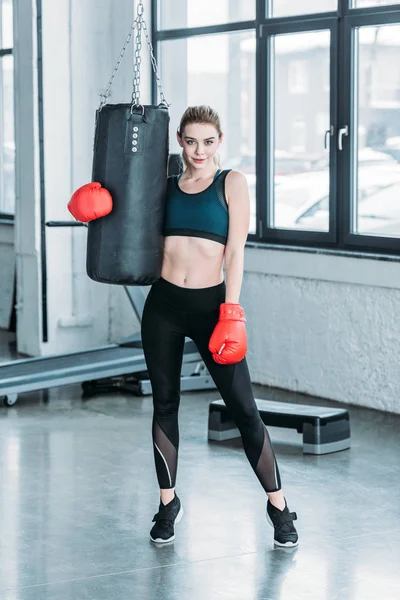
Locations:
column 199, row 152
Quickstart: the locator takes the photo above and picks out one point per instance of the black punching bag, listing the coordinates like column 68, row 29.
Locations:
column 130, row 161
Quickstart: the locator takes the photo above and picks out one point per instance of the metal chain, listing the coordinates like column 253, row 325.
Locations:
column 135, row 100
column 139, row 23
column 105, row 95
column 155, row 66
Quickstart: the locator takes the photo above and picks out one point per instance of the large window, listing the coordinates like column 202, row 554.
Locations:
column 178, row 14
column 7, row 143
column 218, row 70
column 285, row 8
column 309, row 96
column 375, row 188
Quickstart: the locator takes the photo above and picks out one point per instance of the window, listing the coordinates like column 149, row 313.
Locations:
column 218, row 70
column 298, row 136
column 177, row 14
column 367, row 3
column 377, row 145
column 7, row 142
column 286, row 8
column 298, row 77
column 322, row 111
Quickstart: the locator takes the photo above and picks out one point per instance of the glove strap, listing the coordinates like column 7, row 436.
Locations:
column 231, row 312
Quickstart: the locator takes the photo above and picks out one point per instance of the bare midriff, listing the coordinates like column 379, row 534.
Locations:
column 192, row 262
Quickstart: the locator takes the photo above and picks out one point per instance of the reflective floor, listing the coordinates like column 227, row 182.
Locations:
column 78, row 493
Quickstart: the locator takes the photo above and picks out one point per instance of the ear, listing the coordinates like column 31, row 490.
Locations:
column 220, row 139
column 178, row 137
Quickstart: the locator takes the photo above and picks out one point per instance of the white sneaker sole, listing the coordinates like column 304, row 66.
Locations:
column 171, row 539
column 286, row 544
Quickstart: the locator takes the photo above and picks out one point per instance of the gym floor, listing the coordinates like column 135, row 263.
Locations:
column 78, row 493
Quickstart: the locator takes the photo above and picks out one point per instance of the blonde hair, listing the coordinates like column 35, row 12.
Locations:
column 204, row 115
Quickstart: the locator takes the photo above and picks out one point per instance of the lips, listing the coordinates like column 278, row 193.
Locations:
column 199, row 160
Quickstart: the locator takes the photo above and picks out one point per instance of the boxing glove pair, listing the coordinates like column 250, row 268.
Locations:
column 89, row 202
column 228, row 342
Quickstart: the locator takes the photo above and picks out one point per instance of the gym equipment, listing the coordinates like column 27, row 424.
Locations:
column 115, row 366
column 125, row 247
column 228, row 342
column 130, row 158
column 324, row 429
column 90, row 201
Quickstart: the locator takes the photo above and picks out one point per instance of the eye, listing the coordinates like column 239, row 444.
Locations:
column 209, row 142
column 189, row 142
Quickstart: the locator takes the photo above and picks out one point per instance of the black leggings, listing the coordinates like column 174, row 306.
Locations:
column 172, row 313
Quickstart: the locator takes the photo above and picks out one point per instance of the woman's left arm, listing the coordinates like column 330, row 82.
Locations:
column 237, row 191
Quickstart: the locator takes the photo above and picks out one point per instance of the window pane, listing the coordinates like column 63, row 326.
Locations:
column 301, row 118
column 284, row 8
column 7, row 146
column 364, row 3
column 192, row 76
column 6, row 32
column 176, row 14
column 376, row 185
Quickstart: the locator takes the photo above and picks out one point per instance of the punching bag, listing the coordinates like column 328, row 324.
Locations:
column 130, row 160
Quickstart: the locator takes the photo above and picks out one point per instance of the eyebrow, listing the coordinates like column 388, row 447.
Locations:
column 194, row 139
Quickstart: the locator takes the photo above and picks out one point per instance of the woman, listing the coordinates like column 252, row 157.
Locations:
column 207, row 221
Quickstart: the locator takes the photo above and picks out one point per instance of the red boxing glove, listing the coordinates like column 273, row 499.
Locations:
column 228, row 343
column 90, row 202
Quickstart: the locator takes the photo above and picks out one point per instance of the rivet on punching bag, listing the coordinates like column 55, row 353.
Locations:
column 130, row 160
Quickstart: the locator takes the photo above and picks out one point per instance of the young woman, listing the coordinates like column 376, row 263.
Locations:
column 207, row 221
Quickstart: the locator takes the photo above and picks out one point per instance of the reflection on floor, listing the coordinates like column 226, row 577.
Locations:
column 78, row 493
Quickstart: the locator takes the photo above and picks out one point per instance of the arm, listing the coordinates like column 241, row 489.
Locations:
column 228, row 343
column 237, row 193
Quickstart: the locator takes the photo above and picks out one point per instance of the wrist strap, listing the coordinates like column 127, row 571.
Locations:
column 231, row 312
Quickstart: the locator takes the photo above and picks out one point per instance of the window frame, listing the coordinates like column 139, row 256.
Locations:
column 340, row 22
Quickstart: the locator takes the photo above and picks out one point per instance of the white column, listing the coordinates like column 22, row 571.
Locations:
column 81, row 43
column 27, row 229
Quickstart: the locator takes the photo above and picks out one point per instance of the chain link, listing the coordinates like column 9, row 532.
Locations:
column 135, row 100
column 155, row 66
column 139, row 23
column 105, row 95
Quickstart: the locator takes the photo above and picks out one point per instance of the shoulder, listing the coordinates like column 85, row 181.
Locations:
column 234, row 179
column 236, row 186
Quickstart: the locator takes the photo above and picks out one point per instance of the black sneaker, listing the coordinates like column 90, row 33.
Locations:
column 282, row 521
column 167, row 516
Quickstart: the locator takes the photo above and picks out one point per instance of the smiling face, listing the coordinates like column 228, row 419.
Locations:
column 200, row 142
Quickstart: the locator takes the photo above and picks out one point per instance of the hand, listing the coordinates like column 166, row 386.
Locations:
column 90, row 202
column 228, row 343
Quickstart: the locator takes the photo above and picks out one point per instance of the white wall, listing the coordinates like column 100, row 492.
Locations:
column 324, row 324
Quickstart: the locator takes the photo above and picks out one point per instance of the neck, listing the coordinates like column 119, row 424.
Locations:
column 201, row 174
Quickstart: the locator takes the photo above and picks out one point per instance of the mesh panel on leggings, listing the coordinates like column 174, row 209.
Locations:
column 269, row 477
column 240, row 401
column 166, row 456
